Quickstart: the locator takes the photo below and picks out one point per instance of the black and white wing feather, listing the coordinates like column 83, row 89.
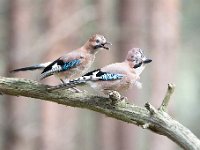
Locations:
column 58, row 66
column 97, row 75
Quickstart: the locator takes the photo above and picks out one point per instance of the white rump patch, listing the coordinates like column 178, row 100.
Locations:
column 56, row 67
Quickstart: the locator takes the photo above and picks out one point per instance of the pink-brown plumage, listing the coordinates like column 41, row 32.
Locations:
column 116, row 76
column 86, row 60
column 73, row 64
column 117, row 85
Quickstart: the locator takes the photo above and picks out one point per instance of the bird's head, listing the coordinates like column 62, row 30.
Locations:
column 97, row 42
column 137, row 58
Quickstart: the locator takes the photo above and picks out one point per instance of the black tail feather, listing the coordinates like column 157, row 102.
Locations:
column 31, row 68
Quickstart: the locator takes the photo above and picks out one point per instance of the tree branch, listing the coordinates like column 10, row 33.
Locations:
column 150, row 118
column 169, row 92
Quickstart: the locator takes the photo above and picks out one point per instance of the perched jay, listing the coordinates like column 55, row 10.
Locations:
column 117, row 76
column 73, row 64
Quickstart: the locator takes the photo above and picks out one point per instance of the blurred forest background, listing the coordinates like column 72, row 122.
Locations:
column 33, row 31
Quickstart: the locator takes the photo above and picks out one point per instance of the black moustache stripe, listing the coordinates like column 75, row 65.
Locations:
column 98, row 46
column 137, row 65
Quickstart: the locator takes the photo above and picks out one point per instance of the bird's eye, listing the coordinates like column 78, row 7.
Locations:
column 97, row 41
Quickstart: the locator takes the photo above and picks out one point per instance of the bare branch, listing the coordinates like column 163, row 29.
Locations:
column 155, row 120
column 170, row 91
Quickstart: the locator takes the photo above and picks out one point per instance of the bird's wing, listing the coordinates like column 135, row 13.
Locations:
column 97, row 75
column 59, row 65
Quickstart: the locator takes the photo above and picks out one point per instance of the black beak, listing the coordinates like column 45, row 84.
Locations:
column 105, row 47
column 143, row 62
column 147, row 61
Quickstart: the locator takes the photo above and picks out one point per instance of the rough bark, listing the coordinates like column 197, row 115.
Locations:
column 156, row 120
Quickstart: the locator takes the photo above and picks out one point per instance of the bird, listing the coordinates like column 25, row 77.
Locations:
column 117, row 76
column 73, row 64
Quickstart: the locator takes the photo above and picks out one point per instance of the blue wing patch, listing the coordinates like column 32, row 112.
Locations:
column 100, row 75
column 111, row 76
column 58, row 66
column 70, row 64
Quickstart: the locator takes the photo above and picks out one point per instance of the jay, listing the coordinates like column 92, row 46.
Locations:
column 73, row 64
column 116, row 76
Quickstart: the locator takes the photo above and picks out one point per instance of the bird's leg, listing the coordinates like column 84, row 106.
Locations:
column 73, row 89
column 64, row 84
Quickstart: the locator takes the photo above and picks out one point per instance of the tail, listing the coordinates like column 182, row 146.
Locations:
column 80, row 80
column 96, row 75
column 31, row 68
column 90, row 76
column 71, row 83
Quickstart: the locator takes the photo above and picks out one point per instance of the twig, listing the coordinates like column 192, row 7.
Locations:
column 149, row 107
column 170, row 91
